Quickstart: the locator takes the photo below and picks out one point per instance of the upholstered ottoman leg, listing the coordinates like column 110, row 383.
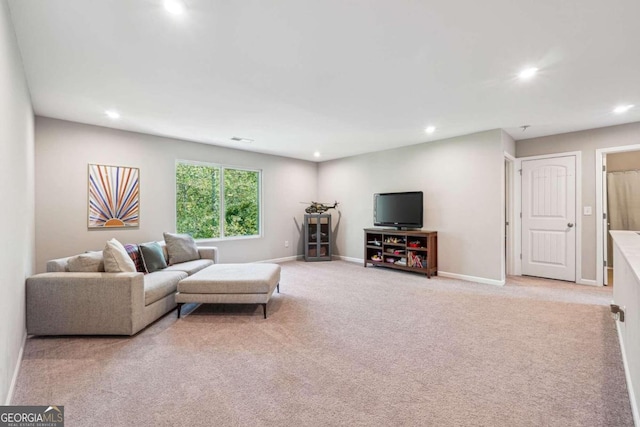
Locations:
column 179, row 309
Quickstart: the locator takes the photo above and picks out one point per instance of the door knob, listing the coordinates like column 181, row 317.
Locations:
column 570, row 225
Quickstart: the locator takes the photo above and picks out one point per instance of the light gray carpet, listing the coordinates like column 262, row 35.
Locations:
column 345, row 345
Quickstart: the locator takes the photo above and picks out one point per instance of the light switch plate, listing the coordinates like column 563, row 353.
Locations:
column 587, row 210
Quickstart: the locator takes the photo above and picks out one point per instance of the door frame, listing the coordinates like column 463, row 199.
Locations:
column 508, row 204
column 601, row 238
column 518, row 211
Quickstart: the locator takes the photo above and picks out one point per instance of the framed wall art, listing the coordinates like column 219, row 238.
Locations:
column 114, row 196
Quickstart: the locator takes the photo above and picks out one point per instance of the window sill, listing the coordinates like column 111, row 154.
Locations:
column 204, row 241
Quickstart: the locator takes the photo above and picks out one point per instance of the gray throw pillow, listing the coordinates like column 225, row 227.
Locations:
column 181, row 248
column 116, row 258
column 152, row 257
column 88, row 262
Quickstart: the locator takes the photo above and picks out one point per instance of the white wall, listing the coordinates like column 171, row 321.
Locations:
column 16, row 193
column 64, row 149
column 462, row 181
column 508, row 144
column 587, row 142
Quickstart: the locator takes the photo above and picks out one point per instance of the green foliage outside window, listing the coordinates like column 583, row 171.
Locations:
column 198, row 207
column 241, row 202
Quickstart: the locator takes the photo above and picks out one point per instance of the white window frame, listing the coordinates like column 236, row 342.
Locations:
column 222, row 168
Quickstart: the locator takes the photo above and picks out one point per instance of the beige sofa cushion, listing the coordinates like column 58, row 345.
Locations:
column 159, row 284
column 90, row 262
column 190, row 267
column 116, row 258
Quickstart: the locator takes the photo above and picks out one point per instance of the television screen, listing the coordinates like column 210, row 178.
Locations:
column 398, row 209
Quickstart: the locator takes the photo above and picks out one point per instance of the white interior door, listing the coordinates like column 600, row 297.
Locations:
column 549, row 218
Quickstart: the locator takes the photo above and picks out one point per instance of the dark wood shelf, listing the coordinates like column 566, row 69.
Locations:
column 425, row 256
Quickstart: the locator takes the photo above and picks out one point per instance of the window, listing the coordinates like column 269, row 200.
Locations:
column 216, row 201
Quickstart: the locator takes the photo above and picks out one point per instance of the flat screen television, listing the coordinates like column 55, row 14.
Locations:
column 400, row 210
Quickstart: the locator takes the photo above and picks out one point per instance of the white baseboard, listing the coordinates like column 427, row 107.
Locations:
column 349, row 259
column 440, row 273
column 587, row 282
column 285, row 259
column 627, row 374
column 472, row 278
column 16, row 371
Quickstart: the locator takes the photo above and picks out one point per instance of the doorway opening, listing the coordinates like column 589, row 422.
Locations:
column 618, row 206
column 509, row 225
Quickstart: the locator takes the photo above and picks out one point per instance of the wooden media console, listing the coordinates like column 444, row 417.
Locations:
column 408, row 250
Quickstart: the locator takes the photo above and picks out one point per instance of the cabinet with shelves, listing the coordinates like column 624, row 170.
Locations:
column 409, row 250
column 317, row 237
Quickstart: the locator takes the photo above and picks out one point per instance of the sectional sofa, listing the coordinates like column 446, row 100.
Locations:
column 60, row 302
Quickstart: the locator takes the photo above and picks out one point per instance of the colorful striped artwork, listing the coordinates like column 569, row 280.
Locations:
column 114, row 196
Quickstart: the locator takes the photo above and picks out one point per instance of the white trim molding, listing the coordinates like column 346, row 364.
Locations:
column 475, row 279
column 509, row 213
column 284, row 259
column 349, row 259
column 627, row 374
column 16, row 371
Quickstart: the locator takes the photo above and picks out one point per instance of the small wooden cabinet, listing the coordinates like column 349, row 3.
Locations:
column 408, row 250
column 317, row 237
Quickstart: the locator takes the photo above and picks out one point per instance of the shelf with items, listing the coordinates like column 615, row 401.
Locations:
column 395, row 250
column 394, row 240
column 416, row 259
column 408, row 250
column 375, row 240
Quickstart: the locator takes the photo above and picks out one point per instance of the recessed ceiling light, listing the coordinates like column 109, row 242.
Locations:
column 316, row 154
column 238, row 139
column 527, row 73
column 623, row 108
column 112, row 114
column 175, row 7
column 430, row 129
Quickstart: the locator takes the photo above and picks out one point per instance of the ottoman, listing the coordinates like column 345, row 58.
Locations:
column 230, row 284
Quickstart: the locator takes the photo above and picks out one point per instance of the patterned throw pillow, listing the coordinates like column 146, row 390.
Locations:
column 134, row 254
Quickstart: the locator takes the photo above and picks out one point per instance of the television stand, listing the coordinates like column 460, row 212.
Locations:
column 408, row 250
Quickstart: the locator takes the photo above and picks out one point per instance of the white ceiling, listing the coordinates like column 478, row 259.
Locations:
column 342, row 77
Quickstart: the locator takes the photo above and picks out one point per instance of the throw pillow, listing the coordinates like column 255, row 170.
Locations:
column 181, row 248
column 88, row 262
column 116, row 259
column 152, row 257
column 134, row 254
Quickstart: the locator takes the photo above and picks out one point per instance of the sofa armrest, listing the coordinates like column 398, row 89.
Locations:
column 209, row 252
column 85, row 303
